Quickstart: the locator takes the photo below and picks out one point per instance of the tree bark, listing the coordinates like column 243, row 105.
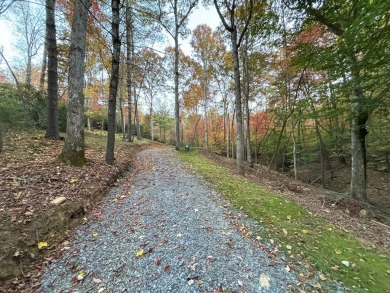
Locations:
column 177, row 104
column 129, row 64
column 247, row 112
column 358, row 137
column 238, row 107
column 111, row 122
column 73, row 151
column 52, row 130
column 44, row 65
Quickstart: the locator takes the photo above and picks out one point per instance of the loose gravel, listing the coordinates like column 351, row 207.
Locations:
column 173, row 233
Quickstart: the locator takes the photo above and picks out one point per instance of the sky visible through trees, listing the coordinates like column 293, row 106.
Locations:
column 298, row 86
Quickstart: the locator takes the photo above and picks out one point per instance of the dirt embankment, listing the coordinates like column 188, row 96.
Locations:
column 30, row 179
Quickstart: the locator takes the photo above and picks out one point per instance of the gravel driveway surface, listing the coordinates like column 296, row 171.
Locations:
column 172, row 234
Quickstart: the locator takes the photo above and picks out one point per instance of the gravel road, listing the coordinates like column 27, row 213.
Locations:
column 173, row 233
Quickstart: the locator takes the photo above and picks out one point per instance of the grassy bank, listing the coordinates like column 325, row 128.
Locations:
column 298, row 233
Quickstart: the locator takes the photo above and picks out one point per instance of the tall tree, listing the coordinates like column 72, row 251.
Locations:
column 73, row 151
column 175, row 27
column 114, row 81
column 359, row 26
column 129, row 62
column 227, row 11
column 29, row 26
column 52, row 130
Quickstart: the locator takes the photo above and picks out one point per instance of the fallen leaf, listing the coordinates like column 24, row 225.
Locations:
column 225, row 233
column 139, row 253
column 289, row 247
column 167, row 268
column 337, row 251
column 101, row 290
column 388, row 271
column 190, row 282
column 157, row 261
column 42, row 245
column 73, row 180
column 264, row 281
column 284, row 232
column 95, row 234
column 179, row 235
column 322, row 278
column 287, row 268
column 317, row 286
column 346, row 263
column 80, row 276
column 17, row 253
column 305, row 231
column 96, row 280
column 289, row 217
column 239, row 282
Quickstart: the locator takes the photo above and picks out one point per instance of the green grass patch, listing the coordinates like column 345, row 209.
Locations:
column 297, row 232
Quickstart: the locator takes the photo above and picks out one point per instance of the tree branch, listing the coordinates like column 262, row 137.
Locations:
column 227, row 27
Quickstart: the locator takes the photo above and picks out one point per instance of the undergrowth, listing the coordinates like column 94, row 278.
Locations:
column 298, row 233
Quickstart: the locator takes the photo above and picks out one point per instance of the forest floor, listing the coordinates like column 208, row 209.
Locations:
column 369, row 222
column 31, row 178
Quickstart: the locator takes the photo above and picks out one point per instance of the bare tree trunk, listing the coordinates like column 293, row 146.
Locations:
column 111, row 122
column 247, row 112
column 238, row 107
column 206, row 126
column 177, row 105
column 151, row 118
column 137, row 124
column 44, row 65
column 358, row 138
column 129, row 64
column 73, row 151
column 52, row 130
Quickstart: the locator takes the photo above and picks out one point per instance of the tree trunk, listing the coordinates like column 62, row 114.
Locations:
column 358, row 138
column 136, row 114
column 206, row 126
column 52, row 130
column 247, row 112
column 177, row 105
column 151, row 118
column 73, row 151
column 129, row 64
column 44, row 62
column 111, row 122
column 28, row 69
column 238, row 107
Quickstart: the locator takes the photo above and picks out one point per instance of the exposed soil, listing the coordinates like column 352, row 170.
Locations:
column 369, row 222
column 30, row 179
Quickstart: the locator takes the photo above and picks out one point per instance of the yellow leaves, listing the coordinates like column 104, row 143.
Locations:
column 284, row 232
column 80, row 276
column 139, row 253
column 322, row 278
column 289, row 217
column 388, row 272
column 95, row 234
column 305, row 231
column 73, row 180
column 225, row 233
column 337, row 251
column 42, row 245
